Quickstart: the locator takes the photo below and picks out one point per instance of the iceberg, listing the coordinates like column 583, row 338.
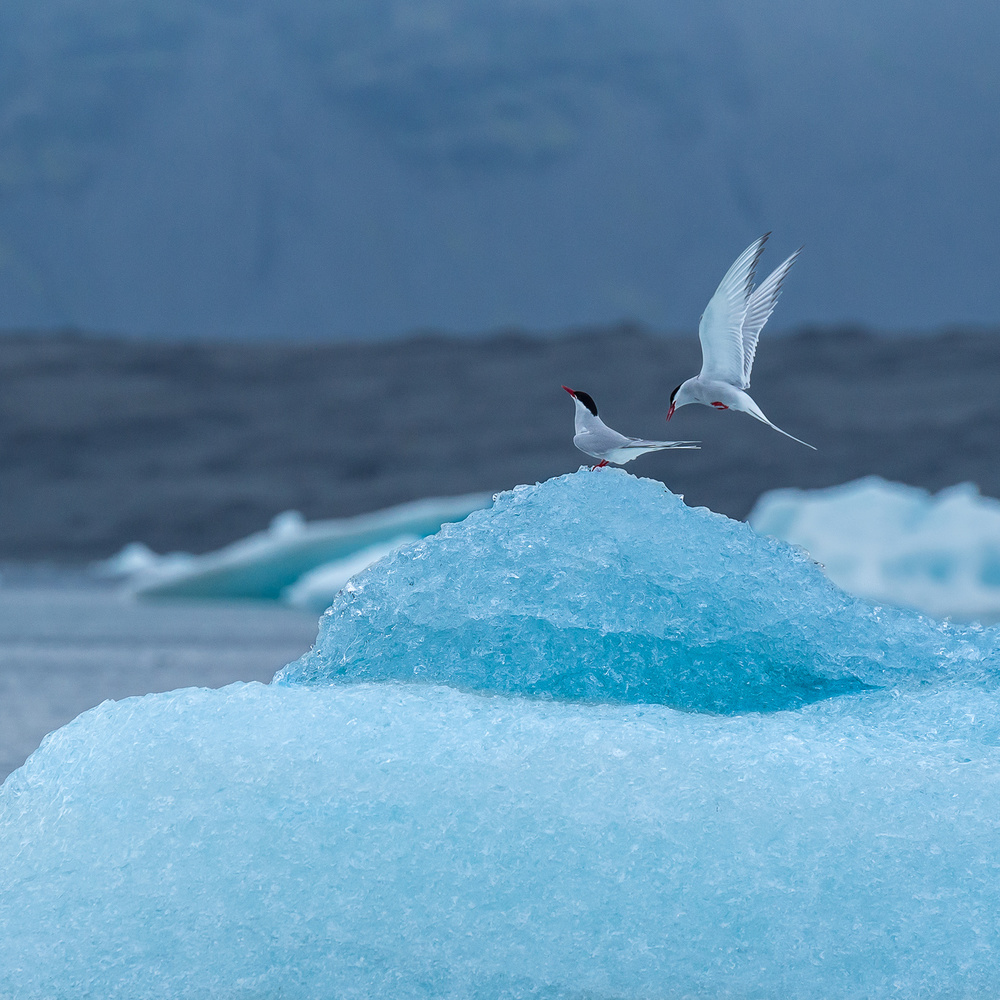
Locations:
column 589, row 743
column 269, row 564
column 605, row 587
column 897, row 544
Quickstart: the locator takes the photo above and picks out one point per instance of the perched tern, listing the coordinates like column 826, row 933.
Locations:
column 593, row 436
column 728, row 331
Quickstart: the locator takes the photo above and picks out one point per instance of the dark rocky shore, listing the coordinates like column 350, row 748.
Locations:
column 192, row 445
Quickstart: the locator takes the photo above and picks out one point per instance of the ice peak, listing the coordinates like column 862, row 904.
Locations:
column 599, row 586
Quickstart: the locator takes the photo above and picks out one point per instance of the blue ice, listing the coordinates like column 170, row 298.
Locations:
column 590, row 743
column 603, row 587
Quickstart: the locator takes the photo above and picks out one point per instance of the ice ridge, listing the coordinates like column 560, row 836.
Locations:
column 410, row 842
column 599, row 586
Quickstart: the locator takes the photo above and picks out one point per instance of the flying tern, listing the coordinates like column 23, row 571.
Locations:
column 593, row 436
column 728, row 331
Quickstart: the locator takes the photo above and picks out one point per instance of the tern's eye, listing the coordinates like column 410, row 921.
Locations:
column 674, row 393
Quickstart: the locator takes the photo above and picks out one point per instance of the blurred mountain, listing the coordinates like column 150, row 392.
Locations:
column 194, row 444
column 311, row 168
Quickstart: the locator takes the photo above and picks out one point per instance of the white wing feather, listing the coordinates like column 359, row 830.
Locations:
column 721, row 327
column 759, row 308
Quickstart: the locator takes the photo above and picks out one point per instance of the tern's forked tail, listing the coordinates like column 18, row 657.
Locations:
column 662, row 445
column 747, row 405
column 792, row 436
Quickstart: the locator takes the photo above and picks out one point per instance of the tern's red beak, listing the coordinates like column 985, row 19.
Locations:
column 570, row 391
column 670, row 412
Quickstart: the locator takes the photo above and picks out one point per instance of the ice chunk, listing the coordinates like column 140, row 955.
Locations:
column 287, row 524
column 264, row 565
column 387, row 841
column 317, row 588
column 897, row 544
column 139, row 561
column 602, row 586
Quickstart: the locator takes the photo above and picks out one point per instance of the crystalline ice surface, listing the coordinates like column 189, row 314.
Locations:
column 600, row 586
column 590, row 743
column 895, row 543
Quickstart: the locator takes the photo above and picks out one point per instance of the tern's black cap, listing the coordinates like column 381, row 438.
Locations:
column 586, row 399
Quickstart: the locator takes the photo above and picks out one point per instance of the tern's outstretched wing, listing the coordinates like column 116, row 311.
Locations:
column 759, row 308
column 721, row 327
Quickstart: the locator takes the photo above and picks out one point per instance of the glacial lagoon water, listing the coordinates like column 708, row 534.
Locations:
column 588, row 743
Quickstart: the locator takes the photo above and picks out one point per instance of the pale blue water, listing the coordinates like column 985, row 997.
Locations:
column 589, row 743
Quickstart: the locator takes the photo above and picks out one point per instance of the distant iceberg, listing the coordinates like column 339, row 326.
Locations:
column 897, row 544
column 273, row 564
column 588, row 743
column 315, row 590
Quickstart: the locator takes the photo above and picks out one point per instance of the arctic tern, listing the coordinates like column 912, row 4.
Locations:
column 593, row 436
column 728, row 331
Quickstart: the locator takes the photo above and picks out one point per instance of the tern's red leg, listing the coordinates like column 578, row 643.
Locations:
column 600, row 465
column 720, row 406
